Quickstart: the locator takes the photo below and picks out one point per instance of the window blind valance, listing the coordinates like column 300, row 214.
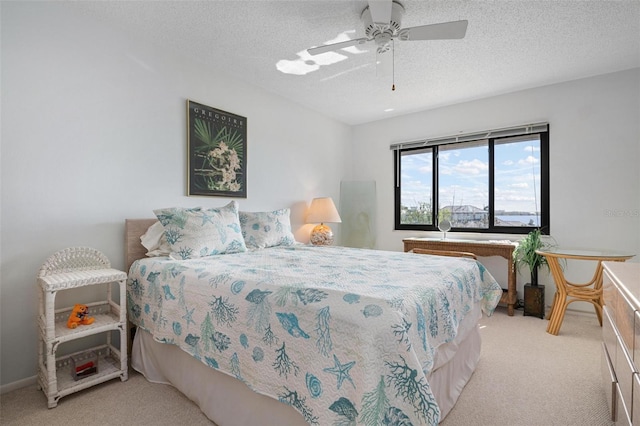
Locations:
column 525, row 129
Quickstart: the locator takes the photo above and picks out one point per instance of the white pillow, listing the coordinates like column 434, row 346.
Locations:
column 155, row 242
column 266, row 229
column 199, row 232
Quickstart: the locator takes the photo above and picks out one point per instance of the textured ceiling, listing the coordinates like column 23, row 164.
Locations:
column 509, row 46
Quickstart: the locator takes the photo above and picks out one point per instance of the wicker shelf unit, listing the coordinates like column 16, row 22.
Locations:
column 69, row 269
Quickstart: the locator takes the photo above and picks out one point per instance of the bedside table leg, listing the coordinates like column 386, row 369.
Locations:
column 511, row 288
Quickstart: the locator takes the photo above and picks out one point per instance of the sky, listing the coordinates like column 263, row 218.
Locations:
column 464, row 176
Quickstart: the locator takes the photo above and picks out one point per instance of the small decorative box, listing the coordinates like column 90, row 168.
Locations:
column 84, row 365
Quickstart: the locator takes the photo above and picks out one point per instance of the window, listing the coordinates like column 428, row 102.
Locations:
column 417, row 190
column 496, row 182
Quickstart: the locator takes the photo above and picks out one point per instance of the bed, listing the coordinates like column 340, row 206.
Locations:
column 295, row 334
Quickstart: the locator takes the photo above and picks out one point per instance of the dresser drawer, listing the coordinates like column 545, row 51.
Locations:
column 609, row 291
column 635, row 406
column 624, row 413
column 609, row 382
column 636, row 338
column 624, row 372
column 625, row 320
column 609, row 333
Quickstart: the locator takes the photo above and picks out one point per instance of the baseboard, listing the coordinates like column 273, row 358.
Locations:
column 9, row 387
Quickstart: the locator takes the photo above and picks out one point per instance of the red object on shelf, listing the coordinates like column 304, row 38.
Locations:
column 84, row 366
column 87, row 372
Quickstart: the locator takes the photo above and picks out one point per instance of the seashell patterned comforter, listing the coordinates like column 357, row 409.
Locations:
column 345, row 336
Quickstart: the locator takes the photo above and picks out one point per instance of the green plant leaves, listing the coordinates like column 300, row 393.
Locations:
column 525, row 252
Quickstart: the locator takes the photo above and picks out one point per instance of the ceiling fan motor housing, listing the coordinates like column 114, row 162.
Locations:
column 382, row 34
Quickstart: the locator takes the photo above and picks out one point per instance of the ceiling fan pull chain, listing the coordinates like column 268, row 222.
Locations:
column 393, row 65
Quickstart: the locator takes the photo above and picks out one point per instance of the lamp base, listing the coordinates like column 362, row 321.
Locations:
column 321, row 235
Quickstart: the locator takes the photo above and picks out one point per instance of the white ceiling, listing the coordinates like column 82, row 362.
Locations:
column 509, row 46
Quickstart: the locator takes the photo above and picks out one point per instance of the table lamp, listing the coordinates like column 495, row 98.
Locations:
column 322, row 210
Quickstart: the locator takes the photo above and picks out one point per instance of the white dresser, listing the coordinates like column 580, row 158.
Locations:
column 621, row 341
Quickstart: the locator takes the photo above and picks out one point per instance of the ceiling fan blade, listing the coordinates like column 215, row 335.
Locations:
column 336, row 46
column 443, row 31
column 380, row 11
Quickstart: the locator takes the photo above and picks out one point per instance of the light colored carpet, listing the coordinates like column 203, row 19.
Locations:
column 529, row 377
column 525, row 377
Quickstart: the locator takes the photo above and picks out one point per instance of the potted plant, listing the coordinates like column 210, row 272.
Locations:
column 525, row 254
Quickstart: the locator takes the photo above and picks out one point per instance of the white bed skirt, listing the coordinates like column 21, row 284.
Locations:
column 229, row 402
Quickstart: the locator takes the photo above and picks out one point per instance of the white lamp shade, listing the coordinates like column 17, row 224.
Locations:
column 322, row 210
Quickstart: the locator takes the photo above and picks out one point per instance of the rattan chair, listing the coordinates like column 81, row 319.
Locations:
column 444, row 253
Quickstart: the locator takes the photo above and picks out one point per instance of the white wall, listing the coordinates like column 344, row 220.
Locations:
column 94, row 131
column 594, row 162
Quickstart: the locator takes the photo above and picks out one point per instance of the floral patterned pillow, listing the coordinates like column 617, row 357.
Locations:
column 199, row 232
column 266, row 229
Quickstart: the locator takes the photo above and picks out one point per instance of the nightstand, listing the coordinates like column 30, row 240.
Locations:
column 73, row 268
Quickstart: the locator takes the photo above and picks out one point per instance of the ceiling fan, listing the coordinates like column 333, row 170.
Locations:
column 382, row 21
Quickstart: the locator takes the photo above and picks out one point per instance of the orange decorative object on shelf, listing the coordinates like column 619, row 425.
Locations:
column 79, row 316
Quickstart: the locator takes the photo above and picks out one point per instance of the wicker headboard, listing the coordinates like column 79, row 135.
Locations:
column 133, row 249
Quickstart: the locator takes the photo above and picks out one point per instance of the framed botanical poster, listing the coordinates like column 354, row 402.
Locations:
column 217, row 152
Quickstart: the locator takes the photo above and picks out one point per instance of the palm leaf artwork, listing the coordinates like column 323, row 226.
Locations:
column 204, row 133
column 218, row 157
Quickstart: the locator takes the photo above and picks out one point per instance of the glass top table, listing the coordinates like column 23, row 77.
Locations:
column 568, row 292
column 586, row 254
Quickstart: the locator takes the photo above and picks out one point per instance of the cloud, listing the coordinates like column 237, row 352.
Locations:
column 528, row 161
column 520, row 185
column 414, row 164
column 473, row 167
column 415, row 192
